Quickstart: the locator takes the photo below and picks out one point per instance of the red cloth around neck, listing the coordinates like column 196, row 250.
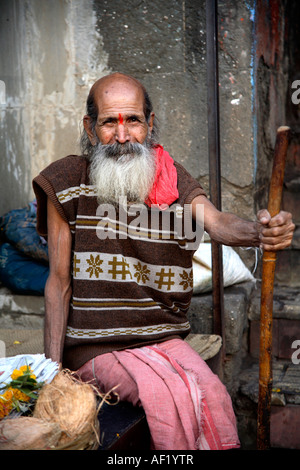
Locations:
column 164, row 191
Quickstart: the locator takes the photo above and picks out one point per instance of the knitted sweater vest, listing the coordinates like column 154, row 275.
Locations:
column 132, row 277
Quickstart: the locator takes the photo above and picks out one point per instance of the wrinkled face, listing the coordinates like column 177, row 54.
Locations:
column 121, row 116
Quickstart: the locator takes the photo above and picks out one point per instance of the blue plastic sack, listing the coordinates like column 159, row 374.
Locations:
column 19, row 229
column 20, row 273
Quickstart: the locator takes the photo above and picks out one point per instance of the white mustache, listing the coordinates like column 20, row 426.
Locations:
column 117, row 150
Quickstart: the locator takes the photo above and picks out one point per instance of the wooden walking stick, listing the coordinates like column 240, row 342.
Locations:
column 266, row 307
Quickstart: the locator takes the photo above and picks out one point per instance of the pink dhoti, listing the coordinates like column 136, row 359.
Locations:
column 186, row 405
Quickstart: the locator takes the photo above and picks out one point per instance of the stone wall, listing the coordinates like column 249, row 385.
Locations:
column 53, row 51
column 276, row 69
column 51, row 54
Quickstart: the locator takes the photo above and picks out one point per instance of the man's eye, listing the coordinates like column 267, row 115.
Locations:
column 133, row 119
column 108, row 122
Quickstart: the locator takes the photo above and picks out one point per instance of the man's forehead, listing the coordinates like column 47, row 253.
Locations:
column 117, row 86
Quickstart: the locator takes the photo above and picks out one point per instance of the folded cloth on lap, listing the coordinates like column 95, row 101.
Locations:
column 186, row 405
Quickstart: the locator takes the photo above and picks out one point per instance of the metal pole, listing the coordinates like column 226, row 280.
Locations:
column 214, row 157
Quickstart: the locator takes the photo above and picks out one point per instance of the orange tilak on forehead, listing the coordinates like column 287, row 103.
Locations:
column 121, row 121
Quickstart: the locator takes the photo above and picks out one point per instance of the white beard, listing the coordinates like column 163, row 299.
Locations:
column 122, row 171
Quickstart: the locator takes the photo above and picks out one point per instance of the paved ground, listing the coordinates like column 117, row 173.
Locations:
column 22, row 341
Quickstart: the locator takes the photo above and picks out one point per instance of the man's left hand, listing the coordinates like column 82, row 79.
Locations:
column 275, row 233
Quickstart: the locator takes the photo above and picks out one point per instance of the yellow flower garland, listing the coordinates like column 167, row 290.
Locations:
column 20, row 391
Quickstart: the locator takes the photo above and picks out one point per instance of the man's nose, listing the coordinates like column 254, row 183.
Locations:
column 122, row 134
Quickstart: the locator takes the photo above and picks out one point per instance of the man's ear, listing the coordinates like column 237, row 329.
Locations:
column 87, row 124
column 151, row 120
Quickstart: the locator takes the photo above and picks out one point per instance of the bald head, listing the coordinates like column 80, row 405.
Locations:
column 115, row 80
column 113, row 83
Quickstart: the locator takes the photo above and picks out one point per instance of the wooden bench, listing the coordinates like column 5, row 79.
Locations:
column 123, row 427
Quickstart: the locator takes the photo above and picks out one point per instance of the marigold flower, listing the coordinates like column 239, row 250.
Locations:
column 6, row 403
column 13, row 397
column 7, row 395
column 19, row 395
column 5, row 409
column 22, row 371
column 16, row 374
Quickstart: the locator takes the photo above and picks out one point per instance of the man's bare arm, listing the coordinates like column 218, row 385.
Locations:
column 272, row 234
column 58, row 286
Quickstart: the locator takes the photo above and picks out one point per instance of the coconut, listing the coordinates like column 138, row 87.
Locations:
column 72, row 405
column 28, row 433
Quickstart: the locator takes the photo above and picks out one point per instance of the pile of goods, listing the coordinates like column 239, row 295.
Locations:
column 60, row 412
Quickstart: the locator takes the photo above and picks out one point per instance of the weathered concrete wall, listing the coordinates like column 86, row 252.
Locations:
column 276, row 67
column 50, row 55
column 53, row 51
column 271, row 77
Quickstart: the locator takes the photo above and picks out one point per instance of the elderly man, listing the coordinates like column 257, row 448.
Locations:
column 118, row 291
